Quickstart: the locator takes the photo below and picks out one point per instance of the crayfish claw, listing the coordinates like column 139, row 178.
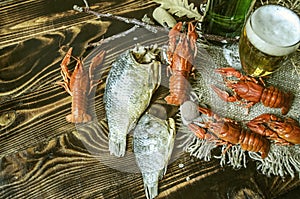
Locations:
column 224, row 95
column 177, row 27
column 66, row 59
column 97, row 60
column 192, row 35
column 205, row 111
column 229, row 72
column 197, row 130
column 65, row 62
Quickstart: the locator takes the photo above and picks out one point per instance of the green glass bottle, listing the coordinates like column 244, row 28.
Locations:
column 226, row 17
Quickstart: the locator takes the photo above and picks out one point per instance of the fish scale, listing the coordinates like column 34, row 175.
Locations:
column 129, row 88
column 153, row 142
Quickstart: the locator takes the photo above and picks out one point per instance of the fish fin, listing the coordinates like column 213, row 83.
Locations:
column 171, row 138
column 150, row 180
column 158, row 76
column 163, row 172
column 151, row 191
column 117, row 147
column 154, row 77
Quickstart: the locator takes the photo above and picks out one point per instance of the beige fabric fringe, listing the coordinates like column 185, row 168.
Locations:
column 282, row 160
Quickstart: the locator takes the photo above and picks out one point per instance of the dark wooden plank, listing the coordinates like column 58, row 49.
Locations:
column 22, row 20
column 76, row 160
column 78, row 165
column 41, row 114
column 43, row 156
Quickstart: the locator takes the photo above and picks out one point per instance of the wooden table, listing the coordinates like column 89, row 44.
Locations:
column 44, row 156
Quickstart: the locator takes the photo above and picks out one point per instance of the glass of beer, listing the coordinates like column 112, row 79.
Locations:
column 269, row 36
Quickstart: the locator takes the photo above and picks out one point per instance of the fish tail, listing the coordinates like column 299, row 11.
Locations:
column 150, row 180
column 151, row 191
column 162, row 173
column 117, row 147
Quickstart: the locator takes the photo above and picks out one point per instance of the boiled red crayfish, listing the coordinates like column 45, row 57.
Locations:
column 283, row 131
column 181, row 55
column 230, row 132
column 253, row 91
column 79, row 85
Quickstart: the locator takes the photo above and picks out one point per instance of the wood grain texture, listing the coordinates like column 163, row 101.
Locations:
column 21, row 20
column 43, row 156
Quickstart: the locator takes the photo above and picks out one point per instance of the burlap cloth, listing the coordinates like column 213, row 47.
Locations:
column 210, row 57
column 287, row 78
column 282, row 160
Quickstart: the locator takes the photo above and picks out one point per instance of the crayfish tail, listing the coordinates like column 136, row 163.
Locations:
column 263, row 144
column 265, row 150
column 286, row 106
column 175, row 100
column 117, row 147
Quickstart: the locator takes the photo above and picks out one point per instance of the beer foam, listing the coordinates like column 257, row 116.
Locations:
column 274, row 30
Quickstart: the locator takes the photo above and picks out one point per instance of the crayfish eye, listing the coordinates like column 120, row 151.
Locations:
column 275, row 127
column 278, row 128
column 212, row 129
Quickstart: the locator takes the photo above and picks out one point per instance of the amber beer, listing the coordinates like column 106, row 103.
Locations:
column 269, row 36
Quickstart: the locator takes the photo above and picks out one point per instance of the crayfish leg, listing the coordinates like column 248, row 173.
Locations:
column 227, row 147
column 205, row 111
column 66, row 86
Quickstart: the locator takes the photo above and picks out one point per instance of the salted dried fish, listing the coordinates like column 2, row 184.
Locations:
column 153, row 142
column 132, row 80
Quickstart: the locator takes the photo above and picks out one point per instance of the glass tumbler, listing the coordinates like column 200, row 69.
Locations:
column 269, row 36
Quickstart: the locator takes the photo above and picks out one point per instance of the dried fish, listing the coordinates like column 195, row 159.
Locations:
column 132, row 80
column 153, row 144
